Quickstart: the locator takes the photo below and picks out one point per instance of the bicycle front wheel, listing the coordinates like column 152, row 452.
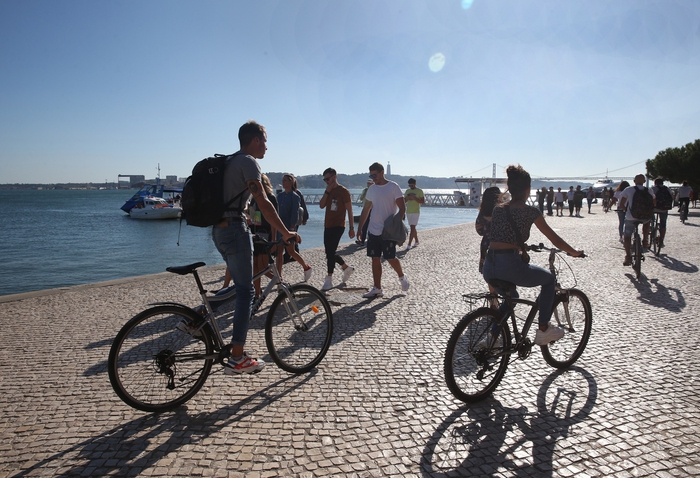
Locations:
column 299, row 328
column 475, row 359
column 572, row 312
column 155, row 364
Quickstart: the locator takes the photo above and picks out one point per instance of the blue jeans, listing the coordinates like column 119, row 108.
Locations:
column 621, row 219
column 511, row 268
column 235, row 244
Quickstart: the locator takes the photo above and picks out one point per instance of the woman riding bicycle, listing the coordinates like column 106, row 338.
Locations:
column 510, row 228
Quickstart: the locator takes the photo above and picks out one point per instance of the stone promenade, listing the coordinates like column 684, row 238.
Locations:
column 377, row 405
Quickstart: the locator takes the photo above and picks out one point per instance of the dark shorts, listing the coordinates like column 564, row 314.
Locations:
column 378, row 247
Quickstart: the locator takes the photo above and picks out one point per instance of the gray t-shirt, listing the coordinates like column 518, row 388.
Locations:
column 240, row 169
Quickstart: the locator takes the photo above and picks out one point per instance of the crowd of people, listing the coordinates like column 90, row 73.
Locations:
column 504, row 223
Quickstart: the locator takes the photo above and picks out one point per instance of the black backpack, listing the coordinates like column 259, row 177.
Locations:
column 203, row 194
column 664, row 198
column 642, row 204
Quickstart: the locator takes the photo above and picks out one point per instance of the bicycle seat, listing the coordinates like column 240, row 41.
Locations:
column 188, row 269
column 503, row 285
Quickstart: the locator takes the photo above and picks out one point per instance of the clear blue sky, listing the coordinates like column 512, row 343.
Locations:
column 93, row 89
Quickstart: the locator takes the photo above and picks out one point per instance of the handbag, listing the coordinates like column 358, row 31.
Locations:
column 524, row 255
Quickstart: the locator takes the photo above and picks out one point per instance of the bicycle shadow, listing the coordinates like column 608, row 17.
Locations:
column 354, row 318
column 651, row 292
column 484, row 438
column 674, row 264
column 127, row 448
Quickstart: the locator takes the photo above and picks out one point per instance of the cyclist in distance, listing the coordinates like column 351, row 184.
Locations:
column 234, row 241
column 660, row 191
column 684, row 196
column 506, row 258
column 626, row 203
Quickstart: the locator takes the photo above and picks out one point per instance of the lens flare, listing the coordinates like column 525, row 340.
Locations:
column 437, row 62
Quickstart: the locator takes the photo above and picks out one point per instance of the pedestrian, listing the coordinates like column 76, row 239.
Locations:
column 605, row 195
column 541, row 198
column 233, row 240
column 615, row 201
column 362, row 231
column 506, row 258
column 550, row 200
column 262, row 231
column 291, row 213
column 590, row 196
column 559, row 201
column 384, row 200
column 337, row 203
column 570, row 200
column 627, row 203
column 414, row 197
column 578, row 200
column 489, row 200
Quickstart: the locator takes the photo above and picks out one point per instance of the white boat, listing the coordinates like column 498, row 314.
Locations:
column 604, row 183
column 155, row 208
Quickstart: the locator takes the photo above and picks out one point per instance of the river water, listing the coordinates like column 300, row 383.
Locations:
column 59, row 238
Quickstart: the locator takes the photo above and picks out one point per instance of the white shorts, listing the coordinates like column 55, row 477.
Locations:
column 413, row 218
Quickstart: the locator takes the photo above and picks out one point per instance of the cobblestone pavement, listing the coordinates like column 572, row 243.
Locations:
column 377, row 405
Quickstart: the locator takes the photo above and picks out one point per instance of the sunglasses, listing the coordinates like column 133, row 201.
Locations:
column 328, row 178
column 373, row 176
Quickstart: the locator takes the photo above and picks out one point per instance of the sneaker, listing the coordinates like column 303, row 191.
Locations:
column 307, row 274
column 408, row 247
column 347, row 273
column 486, row 341
column 244, row 365
column 373, row 292
column 404, row 283
column 328, row 284
column 628, row 261
column 184, row 326
column 550, row 335
column 415, row 244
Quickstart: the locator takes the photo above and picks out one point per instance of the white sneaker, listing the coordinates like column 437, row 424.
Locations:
column 328, row 284
column 307, row 274
column 550, row 335
column 408, row 247
column 347, row 273
column 415, row 244
column 404, row 283
column 373, row 292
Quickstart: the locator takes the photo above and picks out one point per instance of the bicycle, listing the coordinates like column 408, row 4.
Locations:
column 481, row 347
column 654, row 238
column 637, row 250
column 161, row 357
column 684, row 211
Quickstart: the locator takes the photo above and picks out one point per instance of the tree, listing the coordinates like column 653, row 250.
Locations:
column 677, row 165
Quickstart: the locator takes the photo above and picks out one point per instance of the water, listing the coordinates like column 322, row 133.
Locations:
column 58, row 238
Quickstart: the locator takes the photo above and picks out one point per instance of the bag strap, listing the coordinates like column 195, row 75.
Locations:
column 518, row 237
column 238, row 196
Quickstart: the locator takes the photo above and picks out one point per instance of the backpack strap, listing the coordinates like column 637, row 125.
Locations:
column 238, row 196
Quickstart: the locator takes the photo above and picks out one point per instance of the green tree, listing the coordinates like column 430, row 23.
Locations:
column 677, row 164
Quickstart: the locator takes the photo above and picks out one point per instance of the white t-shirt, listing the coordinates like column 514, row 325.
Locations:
column 383, row 199
column 684, row 191
column 559, row 196
column 629, row 194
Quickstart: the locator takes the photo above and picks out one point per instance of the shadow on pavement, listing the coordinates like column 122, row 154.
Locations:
column 490, row 439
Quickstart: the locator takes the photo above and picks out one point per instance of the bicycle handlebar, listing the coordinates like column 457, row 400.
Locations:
column 541, row 247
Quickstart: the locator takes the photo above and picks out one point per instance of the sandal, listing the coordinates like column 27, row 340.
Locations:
column 628, row 261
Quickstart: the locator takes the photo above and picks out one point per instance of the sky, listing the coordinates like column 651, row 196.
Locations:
column 577, row 88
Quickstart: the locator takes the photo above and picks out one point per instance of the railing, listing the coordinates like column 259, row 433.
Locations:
column 440, row 200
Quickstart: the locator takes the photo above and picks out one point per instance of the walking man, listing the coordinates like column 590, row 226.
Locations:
column 234, row 242
column 550, row 200
column 414, row 197
column 337, row 203
column 570, row 199
column 559, row 201
column 384, row 200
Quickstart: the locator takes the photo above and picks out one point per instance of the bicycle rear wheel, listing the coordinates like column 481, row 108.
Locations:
column 637, row 255
column 475, row 361
column 572, row 312
column 153, row 365
column 299, row 329
column 654, row 238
